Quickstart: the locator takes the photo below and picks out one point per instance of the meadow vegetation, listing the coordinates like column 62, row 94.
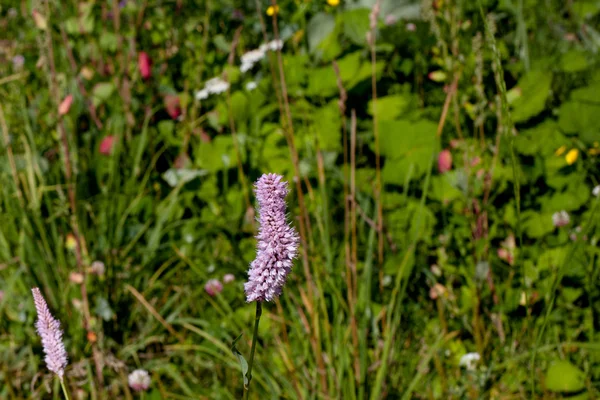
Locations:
column 443, row 166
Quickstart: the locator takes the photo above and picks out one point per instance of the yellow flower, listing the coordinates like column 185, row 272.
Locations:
column 560, row 151
column 70, row 242
column 272, row 10
column 333, row 3
column 571, row 156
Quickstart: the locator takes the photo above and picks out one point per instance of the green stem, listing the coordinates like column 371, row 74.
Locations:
column 64, row 388
column 254, row 340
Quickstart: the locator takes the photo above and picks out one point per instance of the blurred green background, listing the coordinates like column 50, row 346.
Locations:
column 442, row 158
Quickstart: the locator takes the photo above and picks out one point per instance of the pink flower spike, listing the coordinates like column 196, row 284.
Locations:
column 65, row 105
column 277, row 241
column 213, row 287
column 144, row 64
column 106, row 145
column 49, row 330
column 444, row 161
column 228, row 278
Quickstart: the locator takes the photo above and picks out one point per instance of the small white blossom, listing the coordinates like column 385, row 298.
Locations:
column 245, row 67
column 202, row 94
column 216, row 85
column 139, row 380
column 469, row 361
column 596, row 191
column 250, row 86
column 561, row 218
column 275, row 45
column 250, row 58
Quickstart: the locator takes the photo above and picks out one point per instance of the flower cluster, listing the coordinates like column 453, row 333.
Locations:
column 139, row 380
column 469, row 361
column 253, row 56
column 49, row 330
column 277, row 241
column 212, row 86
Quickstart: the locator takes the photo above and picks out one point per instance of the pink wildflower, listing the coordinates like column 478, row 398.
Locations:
column 444, row 161
column 277, row 241
column 65, row 105
column 144, row 64
column 49, row 330
column 106, row 145
column 213, row 287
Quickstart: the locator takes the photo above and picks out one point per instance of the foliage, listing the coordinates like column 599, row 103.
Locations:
column 154, row 180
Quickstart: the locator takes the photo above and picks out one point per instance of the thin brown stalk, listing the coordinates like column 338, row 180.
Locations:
column 271, row 66
column 238, row 156
column 80, row 85
column 373, row 225
column 378, row 188
column 451, row 93
column 354, row 245
column 53, row 83
column 11, row 158
column 342, row 107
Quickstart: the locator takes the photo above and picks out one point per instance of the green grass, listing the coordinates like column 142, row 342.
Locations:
column 171, row 206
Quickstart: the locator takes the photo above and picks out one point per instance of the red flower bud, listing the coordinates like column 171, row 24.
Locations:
column 444, row 161
column 144, row 64
column 106, row 145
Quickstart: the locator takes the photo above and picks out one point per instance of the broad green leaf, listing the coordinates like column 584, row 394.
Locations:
column 102, row 92
column 578, row 117
column 537, row 225
column 573, row 61
column 320, row 26
column 564, row 377
column 174, row 176
column 239, row 107
column 409, row 147
column 389, row 107
column 327, row 123
column 356, row 25
column 535, row 89
column 442, row 188
column 217, row 154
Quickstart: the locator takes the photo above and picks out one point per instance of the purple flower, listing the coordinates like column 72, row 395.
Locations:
column 49, row 330
column 277, row 241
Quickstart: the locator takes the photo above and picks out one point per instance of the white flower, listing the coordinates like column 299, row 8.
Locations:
column 275, row 45
column 216, row 85
column 250, row 58
column 202, row 94
column 596, row 191
column 250, row 86
column 469, row 361
column 139, row 380
column 246, row 67
column 561, row 218
column 212, row 86
column 97, row 268
column 253, row 56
